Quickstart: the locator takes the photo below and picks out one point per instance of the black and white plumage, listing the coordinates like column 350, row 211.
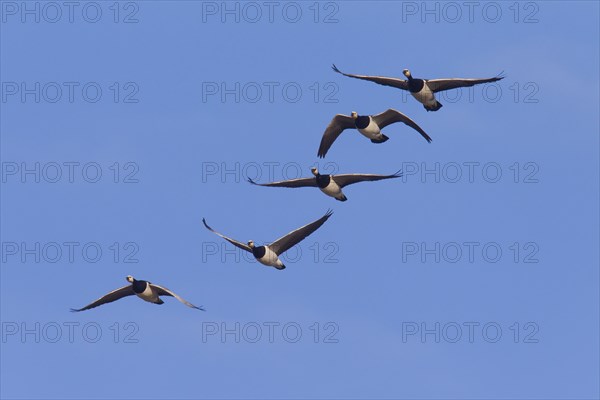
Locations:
column 422, row 89
column 269, row 255
column 368, row 125
column 143, row 289
column 331, row 185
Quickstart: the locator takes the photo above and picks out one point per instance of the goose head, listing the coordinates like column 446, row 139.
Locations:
column 407, row 74
column 314, row 171
column 354, row 115
column 129, row 279
column 251, row 244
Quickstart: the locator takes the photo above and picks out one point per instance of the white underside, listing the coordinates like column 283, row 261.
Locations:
column 148, row 294
column 425, row 96
column 270, row 258
column 372, row 130
column 332, row 189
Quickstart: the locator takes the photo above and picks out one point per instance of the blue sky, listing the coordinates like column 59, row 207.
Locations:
column 382, row 290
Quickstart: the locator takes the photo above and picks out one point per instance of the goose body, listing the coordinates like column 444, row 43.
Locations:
column 266, row 256
column 331, row 185
column 269, row 255
column 423, row 94
column 423, row 90
column 369, row 126
column 145, row 290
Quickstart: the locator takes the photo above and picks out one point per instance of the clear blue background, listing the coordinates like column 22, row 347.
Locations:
column 370, row 292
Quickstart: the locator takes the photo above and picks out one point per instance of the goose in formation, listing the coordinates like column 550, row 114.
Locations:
column 422, row 89
column 331, row 185
column 269, row 255
column 368, row 125
column 143, row 289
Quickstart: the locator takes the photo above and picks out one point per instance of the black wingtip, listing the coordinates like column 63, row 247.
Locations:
column 206, row 225
column 397, row 174
column 329, row 213
column 501, row 75
column 201, row 308
column 333, row 67
column 251, row 181
column 74, row 310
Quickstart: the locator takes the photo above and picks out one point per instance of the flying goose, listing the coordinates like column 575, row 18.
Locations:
column 422, row 89
column 144, row 290
column 331, row 185
column 269, row 255
column 369, row 126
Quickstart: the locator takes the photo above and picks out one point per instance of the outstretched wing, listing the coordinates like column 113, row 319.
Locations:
column 391, row 116
column 382, row 80
column 230, row 240
column 349, row 179
column 283, row 244
column 438, row 85
column 162, row 291
column 337, row 125
column 109, row 298
column 292, row 183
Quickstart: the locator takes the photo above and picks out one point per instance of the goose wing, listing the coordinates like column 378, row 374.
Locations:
column 292, row 183
column 382, row 80
column 163, row 291
column 337, row 125
column 286, row 242
column 438, row 85
column 391, row 116
column 109, row 298
column 230, row 240
column 349, row 179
